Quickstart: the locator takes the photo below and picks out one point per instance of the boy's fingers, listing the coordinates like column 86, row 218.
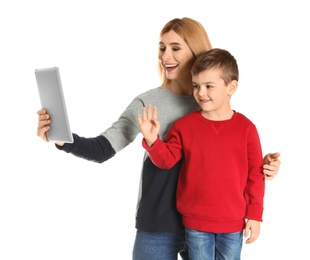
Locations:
column 149, row 111
column 139, row 119
column 143, row 113
column 155, row 113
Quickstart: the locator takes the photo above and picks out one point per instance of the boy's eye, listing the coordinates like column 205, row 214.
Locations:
column 209, row 86
column 195, row 86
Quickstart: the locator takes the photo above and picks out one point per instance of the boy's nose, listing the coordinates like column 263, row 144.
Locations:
column 202, row 92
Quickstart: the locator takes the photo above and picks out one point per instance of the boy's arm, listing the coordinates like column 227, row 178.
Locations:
column 163, row 155
column 251, row 231
column 149, row 125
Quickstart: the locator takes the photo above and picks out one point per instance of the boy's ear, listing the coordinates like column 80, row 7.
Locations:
column 233, row 85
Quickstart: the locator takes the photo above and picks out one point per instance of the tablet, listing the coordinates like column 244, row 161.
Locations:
column 52, row 99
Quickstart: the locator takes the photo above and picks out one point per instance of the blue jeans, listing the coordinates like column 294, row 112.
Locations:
column 213, row 246
column 159, row 246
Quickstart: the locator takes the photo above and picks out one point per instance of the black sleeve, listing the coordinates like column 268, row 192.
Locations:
column 97, row 149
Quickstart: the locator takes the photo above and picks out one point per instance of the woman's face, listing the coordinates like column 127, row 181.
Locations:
column 175, row 56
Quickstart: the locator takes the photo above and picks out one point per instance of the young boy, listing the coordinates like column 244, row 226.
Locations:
column 221, row 184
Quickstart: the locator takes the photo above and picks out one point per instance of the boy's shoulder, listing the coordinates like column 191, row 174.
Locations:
column 189, row 117
column 243, row 117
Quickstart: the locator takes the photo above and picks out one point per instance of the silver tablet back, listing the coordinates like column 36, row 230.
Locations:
column 52, row 99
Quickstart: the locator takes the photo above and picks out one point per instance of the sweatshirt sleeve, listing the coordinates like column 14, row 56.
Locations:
column 255, row 187
column 97, row 149
column 103, row 147
column 126, row 128
column 165, row 154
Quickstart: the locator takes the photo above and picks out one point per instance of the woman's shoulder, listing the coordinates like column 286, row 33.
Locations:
column 143, row 99
column 150, row 92
column 157, row 95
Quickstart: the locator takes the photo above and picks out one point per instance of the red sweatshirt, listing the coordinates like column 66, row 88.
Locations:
column 221, row 182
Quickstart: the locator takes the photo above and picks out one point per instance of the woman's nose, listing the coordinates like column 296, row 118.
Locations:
column 166, row 56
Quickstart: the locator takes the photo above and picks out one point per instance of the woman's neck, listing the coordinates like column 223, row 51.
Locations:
column 181, row 87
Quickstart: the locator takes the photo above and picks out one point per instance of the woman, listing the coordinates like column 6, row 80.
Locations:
column 160, row 234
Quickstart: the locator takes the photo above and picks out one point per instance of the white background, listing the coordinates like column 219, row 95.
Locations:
column 56, row 206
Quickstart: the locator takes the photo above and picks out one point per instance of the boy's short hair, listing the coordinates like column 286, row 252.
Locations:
column 217, row 59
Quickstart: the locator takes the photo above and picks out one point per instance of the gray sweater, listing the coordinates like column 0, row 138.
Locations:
column 156, row 208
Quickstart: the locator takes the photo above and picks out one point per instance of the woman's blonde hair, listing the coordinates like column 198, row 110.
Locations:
column 193, row 33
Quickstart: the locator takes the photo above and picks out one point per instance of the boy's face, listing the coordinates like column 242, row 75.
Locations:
column 210, row 91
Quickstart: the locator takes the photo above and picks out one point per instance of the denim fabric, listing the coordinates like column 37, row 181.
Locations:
column 213, row 246
column 159, row 246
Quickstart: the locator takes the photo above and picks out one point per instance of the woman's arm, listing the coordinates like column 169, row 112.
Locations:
column 97, row 149
column 103, row 147
column 271, row 165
